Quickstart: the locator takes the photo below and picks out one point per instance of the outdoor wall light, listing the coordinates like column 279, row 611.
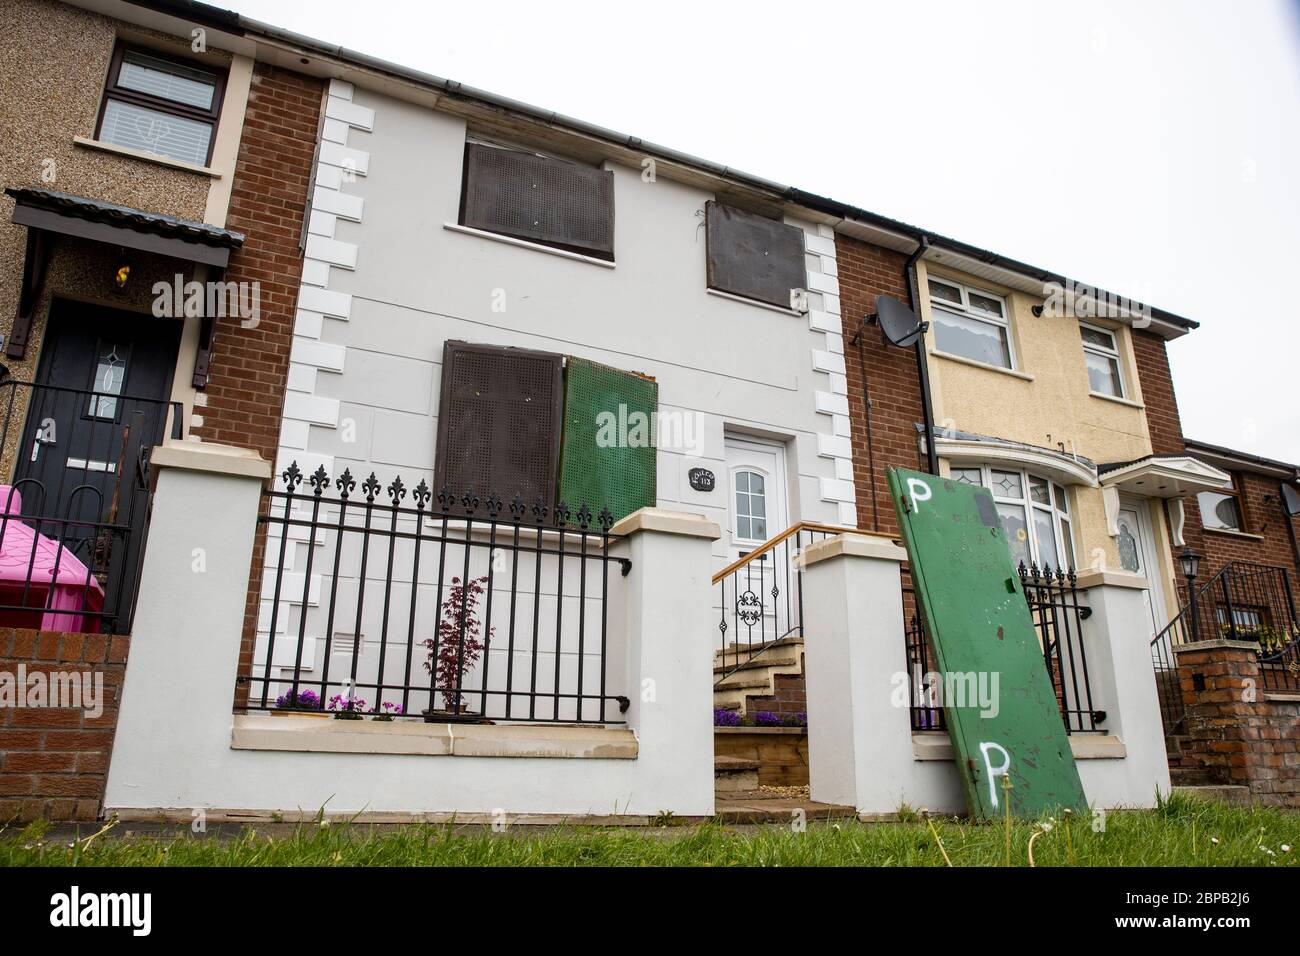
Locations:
column 1190, row 562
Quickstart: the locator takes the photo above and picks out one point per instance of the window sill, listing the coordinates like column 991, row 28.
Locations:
column 754, row 302
column 154, row 158
column 962, row 360
column 936, row 745
column 416, row 738
column 525, row 244
column 1117, row 399
column 1234, row 534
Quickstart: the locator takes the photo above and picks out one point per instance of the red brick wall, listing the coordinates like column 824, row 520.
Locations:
column 245, row 392
column 881, row 373
column 54, row 761
column 1265, row 519
column 1234, row 735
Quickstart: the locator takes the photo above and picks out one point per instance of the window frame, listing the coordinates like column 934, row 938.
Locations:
column 113, row 91
column 1062, row 519
column 1112, row 353
column 1235, row 494
column 966, row 311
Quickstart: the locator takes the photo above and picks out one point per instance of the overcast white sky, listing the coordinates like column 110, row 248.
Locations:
column 1149, row 148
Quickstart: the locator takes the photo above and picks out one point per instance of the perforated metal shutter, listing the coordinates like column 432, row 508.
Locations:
column 499, row 422
column 752, row 256
column 603, row 462
column 545, row 200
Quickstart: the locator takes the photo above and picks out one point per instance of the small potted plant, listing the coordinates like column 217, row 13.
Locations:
column 347, row 707
column 386, row 711
column 457, row 649
column 304, row 703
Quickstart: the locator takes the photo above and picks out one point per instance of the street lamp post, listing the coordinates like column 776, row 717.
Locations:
column 1190, row 562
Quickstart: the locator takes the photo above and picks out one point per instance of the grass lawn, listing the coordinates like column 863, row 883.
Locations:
column 1182, row 832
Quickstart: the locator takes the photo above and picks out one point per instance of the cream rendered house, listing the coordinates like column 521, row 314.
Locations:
column 1043, row 405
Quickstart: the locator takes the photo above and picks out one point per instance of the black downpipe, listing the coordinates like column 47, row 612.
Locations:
column 922, row 365
column 1290, row 527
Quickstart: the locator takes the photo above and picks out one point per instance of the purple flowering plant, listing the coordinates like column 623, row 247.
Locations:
column 303, row 700
column 346, row 707
column 386, row 711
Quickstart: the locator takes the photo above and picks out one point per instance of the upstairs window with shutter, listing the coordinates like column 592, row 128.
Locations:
column 752, row 256
column 499, row 422
column 540, row 199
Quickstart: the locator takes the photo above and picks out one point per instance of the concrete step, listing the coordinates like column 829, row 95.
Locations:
column 734, row 774
column 744, row 649
column 784, row 664
column 1232, row 795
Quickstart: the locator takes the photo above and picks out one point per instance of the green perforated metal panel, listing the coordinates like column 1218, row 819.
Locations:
column 607, row 455
column 973, row 604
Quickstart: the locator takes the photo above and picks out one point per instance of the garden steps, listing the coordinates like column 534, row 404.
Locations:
column 757, row 677
column 734, row 774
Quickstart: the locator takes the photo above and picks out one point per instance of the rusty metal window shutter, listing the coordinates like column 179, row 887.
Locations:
column 541, row 199
column 499, row 421
column 752, row 256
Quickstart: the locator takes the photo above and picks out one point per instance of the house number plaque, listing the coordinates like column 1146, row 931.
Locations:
column 701, row 479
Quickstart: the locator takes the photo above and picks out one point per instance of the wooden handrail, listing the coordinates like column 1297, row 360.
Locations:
column 771, row 543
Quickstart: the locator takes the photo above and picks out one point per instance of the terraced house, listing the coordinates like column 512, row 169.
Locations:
column 545, row 444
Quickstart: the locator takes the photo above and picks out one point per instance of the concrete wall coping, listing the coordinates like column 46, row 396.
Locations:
column 663, row 521
column 1095, row 577
column 205, row 456
column 938, row 746
column 306, row 734
column 880, row 547
column 1216, row 643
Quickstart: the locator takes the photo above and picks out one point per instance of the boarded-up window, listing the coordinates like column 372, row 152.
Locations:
column 608, row 454
column 752, row 256
column 545, row 200
column 499, row 422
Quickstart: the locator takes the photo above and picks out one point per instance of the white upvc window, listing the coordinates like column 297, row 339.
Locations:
column 970, row 323
column 1101, row 356
column 1035, row 513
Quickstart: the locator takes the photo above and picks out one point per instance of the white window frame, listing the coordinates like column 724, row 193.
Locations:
column 1062, row 521
column 1113, row 353
column 968, row 311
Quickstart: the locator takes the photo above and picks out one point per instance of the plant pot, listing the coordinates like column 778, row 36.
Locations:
column 453, row 717
column 290, row 712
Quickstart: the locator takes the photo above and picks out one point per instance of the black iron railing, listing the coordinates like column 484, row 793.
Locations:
column 76, row 509
column 1058, row 618
column 760, row 597
column 451, row 607
column 1239, row 602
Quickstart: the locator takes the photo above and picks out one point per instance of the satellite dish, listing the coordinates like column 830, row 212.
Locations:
column 1291, row 500
column 897, row 321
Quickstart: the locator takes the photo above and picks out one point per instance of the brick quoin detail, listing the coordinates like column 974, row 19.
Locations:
column 891, row 379
column 54, row 761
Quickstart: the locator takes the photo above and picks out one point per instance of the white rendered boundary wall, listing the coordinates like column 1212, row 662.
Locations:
column 862, row 750
column 179, row 748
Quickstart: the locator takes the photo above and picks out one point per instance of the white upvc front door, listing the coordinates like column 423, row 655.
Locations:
column 1138, row 554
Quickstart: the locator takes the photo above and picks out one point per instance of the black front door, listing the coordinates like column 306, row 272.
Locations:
column 99, row 403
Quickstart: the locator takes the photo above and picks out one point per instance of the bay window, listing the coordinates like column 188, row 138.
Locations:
column 1035, row 513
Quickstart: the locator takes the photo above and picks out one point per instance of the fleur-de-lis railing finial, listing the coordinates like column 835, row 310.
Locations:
column 346, row 483
column 396, row 490
column 320, row 480
column 371, row 487
column 605, row 519
column 421, row 494
column 584, row 517
column 292, row 477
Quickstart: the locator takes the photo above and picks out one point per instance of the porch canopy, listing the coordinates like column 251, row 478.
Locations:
column 1172, row 477
column 46, row 213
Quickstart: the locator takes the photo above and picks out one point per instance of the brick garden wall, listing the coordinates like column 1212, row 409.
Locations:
column 880, row 373
column 54, row 761
column 1235, row 735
